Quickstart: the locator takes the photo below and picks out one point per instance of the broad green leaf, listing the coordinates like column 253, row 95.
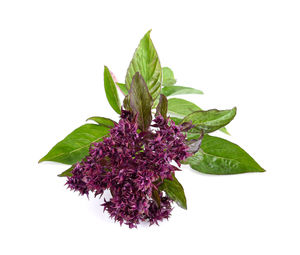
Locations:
column 210, row 120
column 179, row 90
column 219, row 156
column 141, row 101
column 145, row 61
column 178, row 107
column 102, row 121
column 67, row 173
column 177, row 121
column 111, row 91
column 122, row 88
column 168, row 77
column 76, row 145
column 162, row 107
column 175, row 191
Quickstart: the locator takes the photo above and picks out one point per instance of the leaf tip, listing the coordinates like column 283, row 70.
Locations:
column 137, row 75
column 225, row 131
column 149, row 31
column 105, row 69
column 41, row 160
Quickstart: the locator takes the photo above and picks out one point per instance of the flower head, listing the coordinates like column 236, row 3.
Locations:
column 132, row 165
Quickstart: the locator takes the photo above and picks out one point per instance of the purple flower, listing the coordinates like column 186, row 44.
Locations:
column 132, row 164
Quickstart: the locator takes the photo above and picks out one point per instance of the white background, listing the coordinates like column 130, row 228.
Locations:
column 240, row 53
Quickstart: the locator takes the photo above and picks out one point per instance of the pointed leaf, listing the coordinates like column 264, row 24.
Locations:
column 67, row 173
column 111, row 91
column 210, row 120
column 102, row 121
column 219, row 156
column 141, row 101
column 76, row 145
column 224, row 130
column 179, row 90
column 162, row 107
column 145, row 61
column 180, row 108
column 177, row 121
column 175, row 191
column 168, row 77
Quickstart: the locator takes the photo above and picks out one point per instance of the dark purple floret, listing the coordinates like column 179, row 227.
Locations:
column 132, row 164
column 159, row 212
column 76, row 182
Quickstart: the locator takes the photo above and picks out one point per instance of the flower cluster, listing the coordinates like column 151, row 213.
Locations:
column 132, row 164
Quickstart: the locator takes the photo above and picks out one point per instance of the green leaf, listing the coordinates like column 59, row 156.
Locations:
column 219, row 156
column 145, row 61
column 141, row 101
column 102, row 121
column 224, row 130
column 210, row 120
column 122, row 88
column 162, row 107
column 168, row 77
column 179, row 90
column 180, row 107
column 177, row 121
column 111, row 91
column 76, row 145
column 175, row 191
column 67, row 173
